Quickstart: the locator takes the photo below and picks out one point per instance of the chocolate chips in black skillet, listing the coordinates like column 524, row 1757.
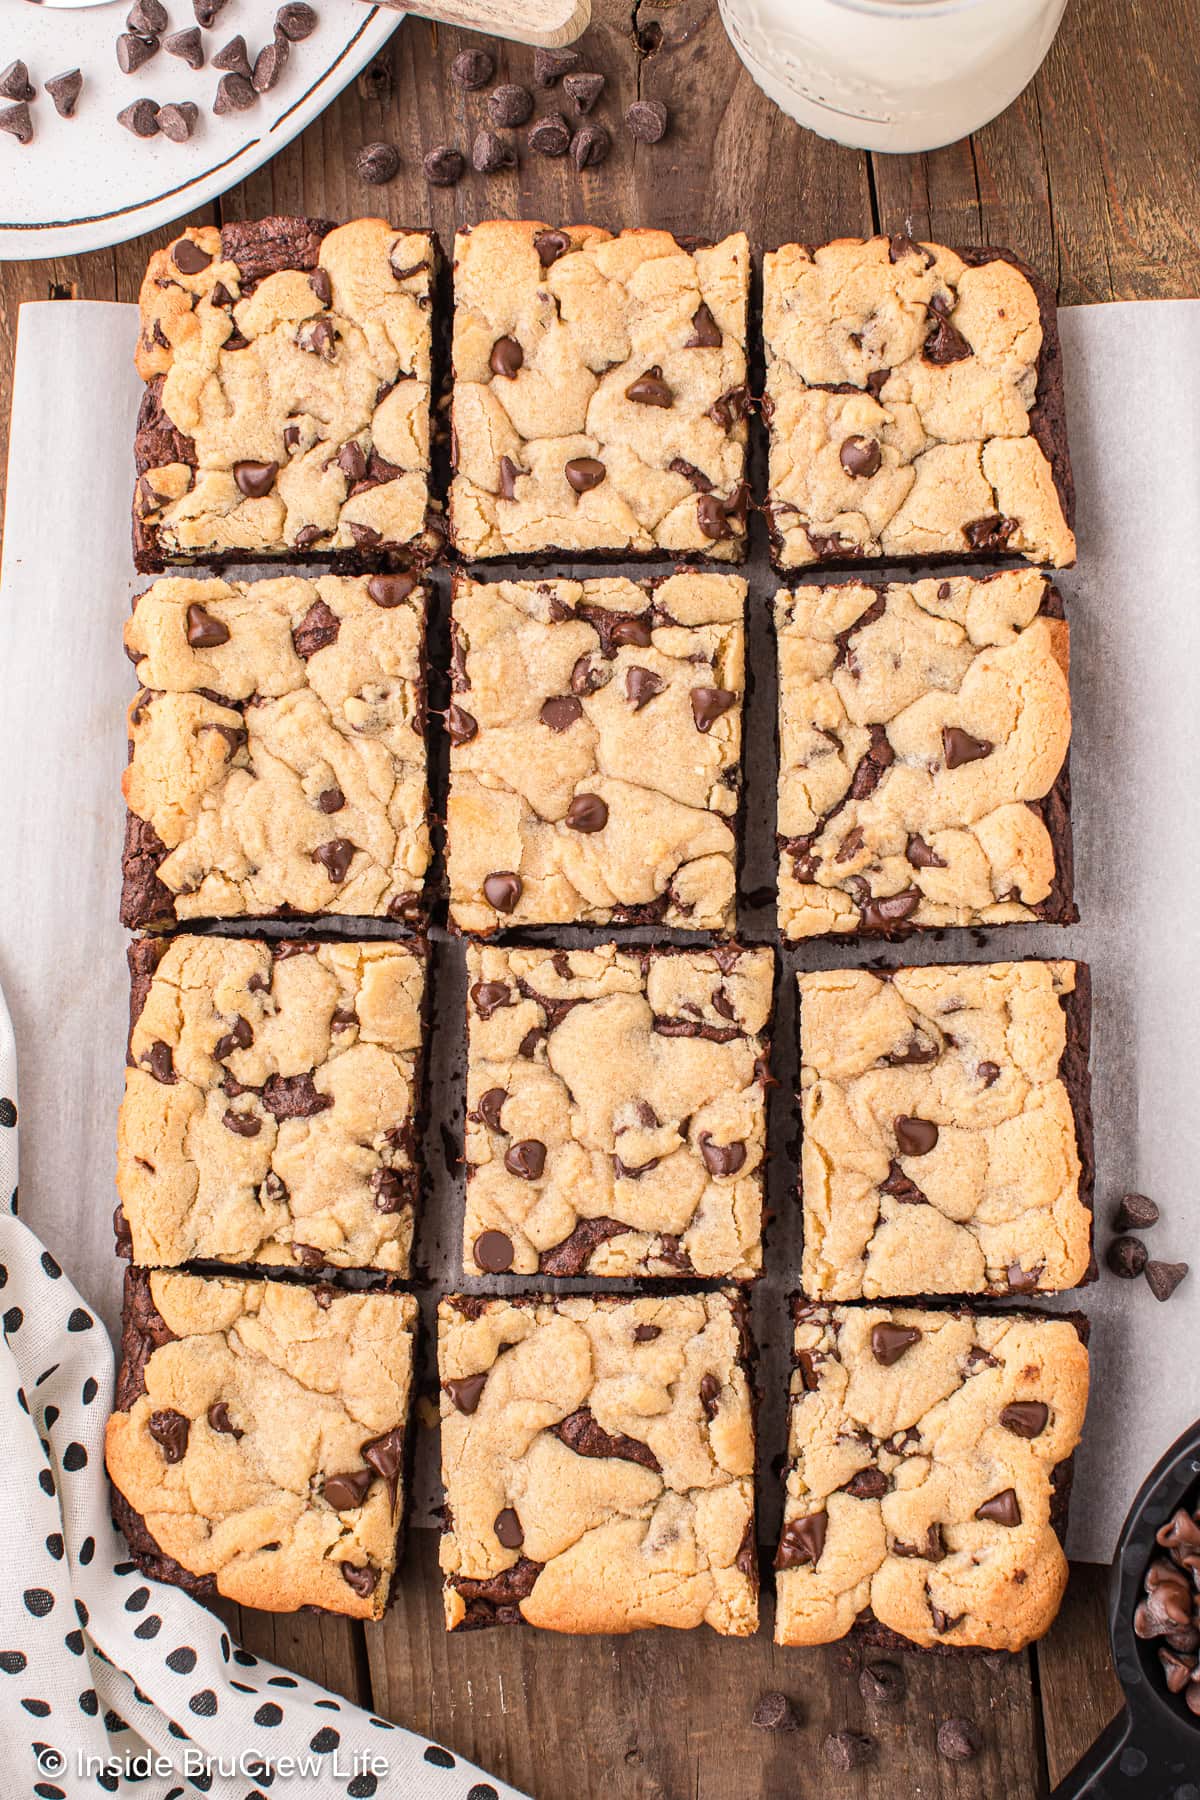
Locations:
column 1169, row 1613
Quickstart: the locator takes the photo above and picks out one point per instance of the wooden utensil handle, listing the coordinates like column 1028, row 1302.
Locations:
column 549, row 23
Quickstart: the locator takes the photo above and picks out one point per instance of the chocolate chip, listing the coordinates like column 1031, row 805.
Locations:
column 584, row 473
column 296, row 21
column 712, row 517
column 1135, row 1212
column 443, row 165
column 848, row 1749
column 141, row 118
column 706, row 333
column 18, row 122
column 465, row 1392
column 890, row 1342
column 64, row 90
column 161, row 1063
column 560, row 712
column 461, row 726
column 708, row 704
column 526, row 1159
column 710, row 1396
column 170, row 1429
column 945, row 343
column 1025, row 1418
column 646, row 121
column 375, row 163
column 550, row 66
column 881, row 915
column 590, row 146
column 364, row 1580
column 186, row 45
column 335, row 858
column 882, row 1684
column 958, row 1740
column 147, row 15
column 584, row 90
column 204, row 632
column 493, row 1252
column 550, row 245
column 627, row 630
column 721, row 1159
column 509, row 473
column 206, row 11
column 255, row 479
column 919, row 854
column 587, row 813
column 1002, row 1509
column 391, row 590
column 507, row 1527
column 960, row 747
column 860, row 456
column 15, row 83
column 233, row 57
column 1164, row 1278
column 988, row 1073
column 942, row 1621
column 269, row 65
column 385, row 1454
column 472, row 68
column 868, row 1484
column 1126, row 1257
column 775, row 1712
column 133, row 49
column 802, row 1541
column 551, row 136
column 240, row 1037
column 1022, row 1281
column 241, row 1124
column 650, row 389
column 990, row 534
column 345, row 1493
column 490, row 153
column 491, row 1104
column 488, row 997
column 218, row 1418
column 235, row 93
column 188, row 257
column 177, row 120
column 915, row 1137
column 503, row 890
column 507, row 357
column 641, row 686
column 389, row 1191
column 509, row 105
column 646, row 1334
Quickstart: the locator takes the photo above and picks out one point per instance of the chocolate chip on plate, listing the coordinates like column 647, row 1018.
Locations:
column 135, row 48
column 509, row 104
column 1135, row 1212
column 551, row 136
column 1164, row 1278
column 590, row 146
column 443, row 165
column 1126, row 1256
column 148, row 16
column 958, row 1740
column 296, row 21
column 206, row 11
column 15, row 83
column 848, row 1749
column 141, row 118
column 187, row 45
column 472, row 68
column 775, row 1712
column 269, row 64
column 234, row 94
column 18, row 122
column 177, row 120
column 233, row 57
column 377, row 163
column 584, row 90
column 646, row 120
column 550, row 66
column 64, row 90
column 490, row 153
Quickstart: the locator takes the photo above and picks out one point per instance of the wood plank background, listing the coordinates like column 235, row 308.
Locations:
column 1093, row 175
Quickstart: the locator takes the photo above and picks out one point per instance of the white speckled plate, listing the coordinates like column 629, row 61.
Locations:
column 86, row 182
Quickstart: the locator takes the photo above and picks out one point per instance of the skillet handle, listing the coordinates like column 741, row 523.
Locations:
column 1097, row 1773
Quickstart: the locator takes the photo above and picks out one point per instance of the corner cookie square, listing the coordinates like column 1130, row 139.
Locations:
column 616, row 1115
column 257, row 1450
column 599, row 393
column 947, row 1143
column 598, row 1461
column 271, row 1101
column 915, row 405
column 929, row 1466
column 277, row 763
column 924, row 729
column 595, row 752
column 286, row 411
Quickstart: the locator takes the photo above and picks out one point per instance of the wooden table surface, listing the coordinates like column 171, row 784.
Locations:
column 1093, row 176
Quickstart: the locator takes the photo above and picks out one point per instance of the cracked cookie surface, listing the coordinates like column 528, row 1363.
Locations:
column 598, row 1460
column 923, row 738
column 944, row 1112
column 616, row 1111
column 287, row 364
column 270, row 1099
column 915, row 407
column 277, row 749
column 595, row 752
column 599, row 393
column 928, row 1472
column 257, row 1446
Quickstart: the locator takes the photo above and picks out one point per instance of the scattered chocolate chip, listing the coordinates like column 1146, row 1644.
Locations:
column 170, row 1430
column 141, row 118
column 235, row 93
column 584, row 90
column 206, row 11
column 364, row 1580
column 641, row 686
column 269, row 64
column 347, row 1492
column 391, row 590
column 233, row 57
column 507, row 357
column 1025, row 1418
column 882, row 1684
column 584, row 473
column 650, row 389
column 890, row 1342
column 1002, row 1509
column 1164, row 1278
column 551, row 136
column 255, row 479
column 15, row 83
column 646, row 121
column 18, row 122
column 915, row 1137
column 472, row 68
column 465, row 1391
column 218, row 1418
column 1135, row 1212
column 706, row 333
column 958, row 1740
column 508, row 1529
column 461, row 726
column 590, row 146
column 296, row 21
column 526, row 1159
column 960, row 747
column 335, row 858
column 64, row 90
column 490, row 153
column 1126, row 1256
column 509, row 105
column 802, row 1541
column 502, row 890
column 775, row 1712
column 848, row 1749
column 443, row 166
column 376, row 163
column 587, row 813
column 133, row 49
column 493, row 1252
column 148, row 16
column 177, row 120
column 550, row 66
column 860, row 456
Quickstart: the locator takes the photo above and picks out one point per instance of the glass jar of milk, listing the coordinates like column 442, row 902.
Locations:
column 892, row 74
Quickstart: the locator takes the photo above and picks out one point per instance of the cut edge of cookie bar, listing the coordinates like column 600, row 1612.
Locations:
column 957, row 1560
column 481, row 906
column 188, row 271
column 719, row 531
column 637, row 1251
column 1047, row 426
column 257, row 1581
column 397, row 1191
column 893, row 917
column 1073, row 1072
column 572, row 1602
column 147, row 903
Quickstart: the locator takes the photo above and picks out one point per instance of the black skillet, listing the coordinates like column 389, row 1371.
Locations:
column 1151, row 1750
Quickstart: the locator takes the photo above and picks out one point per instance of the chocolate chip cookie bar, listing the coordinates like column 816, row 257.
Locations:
column 598, row 1461
column 270, row 1108
column 258, row 1446
column 947, row 1143
column 923, row 737
column 277, row 750
column 599, row 393
column 595, row 752
column 616, row 1111
column 928, row 1474
column 915, row 405
column 286, row 411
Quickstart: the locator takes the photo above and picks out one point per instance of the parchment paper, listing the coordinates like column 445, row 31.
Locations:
column 1133, row 379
